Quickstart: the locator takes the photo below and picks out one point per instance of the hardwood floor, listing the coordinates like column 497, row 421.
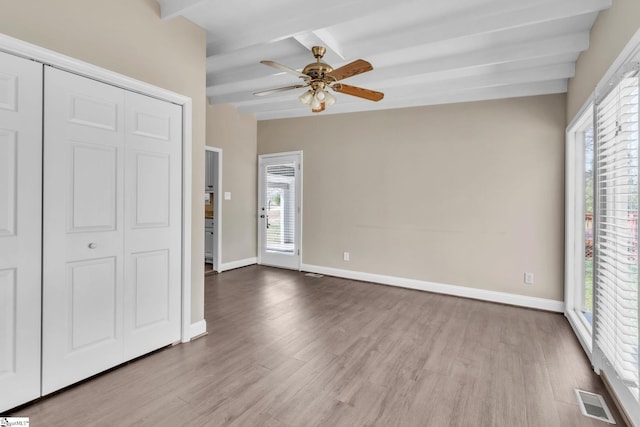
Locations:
column 285, row 349
column 208, row 269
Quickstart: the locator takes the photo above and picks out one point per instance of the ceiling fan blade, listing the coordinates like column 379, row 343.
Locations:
column 285, row 69
column 280, row 89
column 369, row 94
column 354, row 68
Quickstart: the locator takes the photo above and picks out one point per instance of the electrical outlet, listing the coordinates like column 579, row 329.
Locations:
column 345, row 256
column 528, row 278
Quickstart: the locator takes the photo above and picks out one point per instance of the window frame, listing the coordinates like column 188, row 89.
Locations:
column 574, row 225
column 630, row 53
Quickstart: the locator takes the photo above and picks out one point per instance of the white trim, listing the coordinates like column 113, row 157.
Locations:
column 622, row 394
column 569, row 215
column 583, row 335
column 27, row 50
column 579, row 117
column 197, row 329
column 574, row 243
column 239, row 263
column 442, row 288
column 258, row 204
column 301, row 210
column 217, row 223
column 187, row 202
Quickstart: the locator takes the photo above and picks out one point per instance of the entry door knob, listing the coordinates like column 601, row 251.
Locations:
column 92, row 245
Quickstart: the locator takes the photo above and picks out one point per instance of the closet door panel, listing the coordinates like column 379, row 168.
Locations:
column 153, row 224
column 93, row 291
column 92, row 203
column 151, row 288
column 152, row 190
column 83, row 228
column 8, row 181
column 20, row 229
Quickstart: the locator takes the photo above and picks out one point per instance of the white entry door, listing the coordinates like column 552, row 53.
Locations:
column 279, row 209
column 20, row 229
column 112, row 227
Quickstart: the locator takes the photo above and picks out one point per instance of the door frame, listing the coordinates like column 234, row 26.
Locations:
column 48, row 57
column 217, row 210
column 300, row 198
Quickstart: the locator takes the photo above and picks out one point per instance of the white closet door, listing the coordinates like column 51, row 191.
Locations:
column 153, row 205
column 20, row 229
column 83, row 228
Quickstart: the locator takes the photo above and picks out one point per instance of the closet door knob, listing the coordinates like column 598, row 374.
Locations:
column 92, row 245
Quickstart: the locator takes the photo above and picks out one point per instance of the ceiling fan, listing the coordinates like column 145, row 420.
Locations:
column 319, row 77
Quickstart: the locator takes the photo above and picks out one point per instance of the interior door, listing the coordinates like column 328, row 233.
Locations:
column 83, row 228
column 153, row 221
column 20, row 229
column 209, row 182
column 280, row 209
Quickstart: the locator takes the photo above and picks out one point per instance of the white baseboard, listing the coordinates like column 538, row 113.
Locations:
column 239, row 263
column 198, row 328
column 441, row 288
column 580, row 331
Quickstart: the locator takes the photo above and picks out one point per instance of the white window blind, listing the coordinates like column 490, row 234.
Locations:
column 616, row 229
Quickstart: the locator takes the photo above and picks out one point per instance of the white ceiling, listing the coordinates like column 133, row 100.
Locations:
column 423, row 52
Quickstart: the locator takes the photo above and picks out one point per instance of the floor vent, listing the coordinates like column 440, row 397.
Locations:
column 593, row 405
column 314, row 275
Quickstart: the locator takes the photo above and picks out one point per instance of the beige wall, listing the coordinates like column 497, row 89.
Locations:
column 235, row 134
column 128, row 37
column 609, row 35
column 464, row 194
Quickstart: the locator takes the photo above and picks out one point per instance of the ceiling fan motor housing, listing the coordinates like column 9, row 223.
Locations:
column 317, row 70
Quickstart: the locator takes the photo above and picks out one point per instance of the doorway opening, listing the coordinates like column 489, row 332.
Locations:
column 212, row 210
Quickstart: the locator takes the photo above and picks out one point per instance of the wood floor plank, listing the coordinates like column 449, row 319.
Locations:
column 287, row 350
column 539, row 395
column 393, row 408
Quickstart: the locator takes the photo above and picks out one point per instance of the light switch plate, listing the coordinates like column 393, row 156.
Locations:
column 227, row 195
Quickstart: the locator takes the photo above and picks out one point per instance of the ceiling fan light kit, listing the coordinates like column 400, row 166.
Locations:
column 319, row 77
column 306, row 97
